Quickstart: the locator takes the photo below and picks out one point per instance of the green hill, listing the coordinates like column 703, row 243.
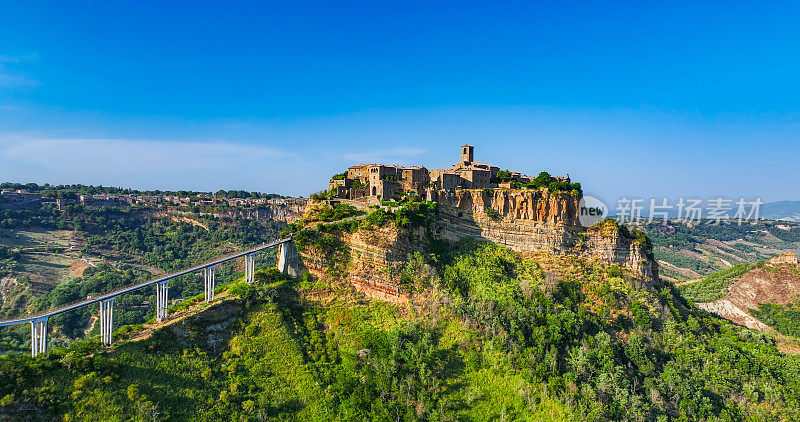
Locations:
column 494, row 337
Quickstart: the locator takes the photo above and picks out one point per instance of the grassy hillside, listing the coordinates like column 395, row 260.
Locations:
column 762, row 296
column 785, row 319
column 493, row 337
column 715, row 285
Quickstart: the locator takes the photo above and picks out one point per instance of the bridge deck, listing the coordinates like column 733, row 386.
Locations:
column 132, row 287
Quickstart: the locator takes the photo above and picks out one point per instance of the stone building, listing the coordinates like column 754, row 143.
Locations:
column 379, row 182
column 447, row 180
column 784, row 258
column 474, row 175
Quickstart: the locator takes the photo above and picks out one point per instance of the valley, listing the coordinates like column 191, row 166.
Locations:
column 688, row 252
column 479, row 306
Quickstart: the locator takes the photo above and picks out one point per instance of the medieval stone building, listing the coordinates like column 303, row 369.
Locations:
column 385, row 182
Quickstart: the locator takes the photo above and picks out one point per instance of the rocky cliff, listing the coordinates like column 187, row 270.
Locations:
column 536, row 220
column 287, row 211
column 524, row 220
column 369, row 259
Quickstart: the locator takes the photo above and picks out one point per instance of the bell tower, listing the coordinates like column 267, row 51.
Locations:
column 467, row 153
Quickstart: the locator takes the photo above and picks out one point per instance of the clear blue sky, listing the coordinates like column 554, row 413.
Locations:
column 629, row 98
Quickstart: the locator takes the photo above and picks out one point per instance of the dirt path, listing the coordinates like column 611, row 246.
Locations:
column 91, row 325
column 686, row 272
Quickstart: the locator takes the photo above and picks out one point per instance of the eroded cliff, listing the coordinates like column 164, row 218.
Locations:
column 370, row 257
column 537, row 220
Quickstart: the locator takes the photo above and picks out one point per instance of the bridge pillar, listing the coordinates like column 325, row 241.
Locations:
column 289, row 260
column 162, row 293
column 209, row 274
column 38, row 336
column 250, row 268
column 106, row 320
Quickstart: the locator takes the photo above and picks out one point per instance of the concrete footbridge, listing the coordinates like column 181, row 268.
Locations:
column 288, row 263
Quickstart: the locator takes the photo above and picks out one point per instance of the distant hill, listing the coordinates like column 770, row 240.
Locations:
column 690, row 251
column 781, row 210
column 763, row 296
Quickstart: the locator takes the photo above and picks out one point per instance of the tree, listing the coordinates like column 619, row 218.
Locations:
column 543, row 179
column 504, row 175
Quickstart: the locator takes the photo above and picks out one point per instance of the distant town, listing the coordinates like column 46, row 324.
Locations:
column 62, row 196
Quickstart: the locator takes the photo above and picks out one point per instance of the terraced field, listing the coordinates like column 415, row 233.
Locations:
column 47, row 257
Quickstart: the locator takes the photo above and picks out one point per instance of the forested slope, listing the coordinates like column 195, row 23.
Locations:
column 495, row 337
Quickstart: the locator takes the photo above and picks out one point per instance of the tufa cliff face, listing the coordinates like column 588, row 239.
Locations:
column 369, row 259
column 524, row 220
column 536, row 220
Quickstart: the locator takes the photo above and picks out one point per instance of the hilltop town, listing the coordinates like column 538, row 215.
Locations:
column 374, row 183
column 222, row 203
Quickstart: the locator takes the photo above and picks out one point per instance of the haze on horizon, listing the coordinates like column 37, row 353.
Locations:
column 672, row 100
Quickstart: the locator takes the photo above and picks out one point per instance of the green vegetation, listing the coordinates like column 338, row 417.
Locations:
column 544, row 180
column 706, row 248
column 503, row 176
column 320, row 196
column 490, row 336
column 783, row 318
column 715, row 285
column 681, row 260
column 328, row 213
column 72, row 191
column 411, row 212
column 129, row 243
column 339, row 176
column 498, row 338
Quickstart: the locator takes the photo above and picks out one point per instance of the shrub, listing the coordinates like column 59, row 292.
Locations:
column 320, row 196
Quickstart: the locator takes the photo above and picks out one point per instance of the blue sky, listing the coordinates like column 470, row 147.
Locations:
column 631, row 98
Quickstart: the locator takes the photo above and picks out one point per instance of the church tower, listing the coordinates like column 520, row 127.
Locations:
column 466, row 154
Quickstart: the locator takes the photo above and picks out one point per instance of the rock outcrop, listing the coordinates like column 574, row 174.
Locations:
column 775, row 283
column 523, row 220
column 287, row 211
column 536, row 220
column 373, row 259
